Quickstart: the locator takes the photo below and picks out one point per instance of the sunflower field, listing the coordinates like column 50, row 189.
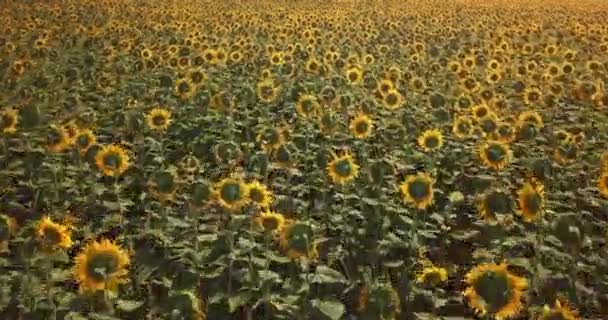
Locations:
column 307, row 160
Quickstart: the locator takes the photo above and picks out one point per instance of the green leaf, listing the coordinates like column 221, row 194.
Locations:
column 331, row 308
column 128, row 305
column 238, row 300
column 326, row 274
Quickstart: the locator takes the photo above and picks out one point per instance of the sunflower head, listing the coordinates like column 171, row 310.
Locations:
column 84, row 140
column 231, row 193
column 53, row 235
column 379, row 301
column 530, row 117
column 479, row 111
column 342, row 169
column 531, row 200
column 492, row 203
column 418, row 190
column 270, row 222
column 259, row 194
column 432, row 276
column 492, row 289
column 462, row 127
column 505, row 132
column 8, row 227
column 267, row 91
column 489, row 124
column 158, row 119
column 8, row 121
column 354, row 75
column 430, row 140
column 102, row 265
column 164, row 185
column 560, row 311
column 185, row 89
column 602, row 184
column 361, row 126
column 566, row 152
column 112, row 160
column 57, row 139
column 392, row 100
column 186, row 305
column 297, row 239
column 270, row 138
column 495, row 154
column 307, row 106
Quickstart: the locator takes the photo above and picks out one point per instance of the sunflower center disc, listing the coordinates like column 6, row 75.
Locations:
column 112, row 160
column 534, row 202
column 231, row 192
column 270, row 223
column 494, row 289
column 418, row 189
column 431, row 142
column 343, row 168
column 101, row 266
column 496, row 153
column 362, row 127
column 159, row 120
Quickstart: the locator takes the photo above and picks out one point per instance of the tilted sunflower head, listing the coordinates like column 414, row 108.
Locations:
column 112, row 160
column 267, row 91
column 342, row 169
column 57, row 139
column 84, row 140
column 418, row 190
column 297, row 239
column 481, row 110
column 270, row 138
column 52, row 235
column 164, row 185
column 462, row 127
column 354, row 75
column 158, row 119
column 259, row 194
column 492, row 289
column 505, row 133
column 186, row 305
column 495, row 154
column 531, row 200
column 8, row 121
column 432, row 276
column 307, row 106
column 430, row 140
column 361, row 126
column 231, row 193
column 101, row 265
column 492, row 203
column 392, row 100
column 566, row 152
column 270, row 222
column 379, row 301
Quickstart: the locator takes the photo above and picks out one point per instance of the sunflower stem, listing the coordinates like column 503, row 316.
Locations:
column 266, row 268
column 49, row 292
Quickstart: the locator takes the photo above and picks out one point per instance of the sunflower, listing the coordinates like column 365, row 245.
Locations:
column 187, row 305
column 432, row 275
column 462, row 127
column 259, row 194
column 418, row 190
column 532, row 96
column 342, row 169
column 53, row 235
column 489, row 124
column 492, row 203
column 270, row 138
column 492, row 289
column 71, row 131
column 158, row 119
column 531, row 200
column 430, row 140
column 297, row 239
column 479, row 111
column 505, row 133
column 392, row 100
column 101, row 265
column 361, row 126
column 312, row 66
column 267, row 91
column 561, row 311
column 231, row 193
column 307, row 106
column 561, row 136
column 84, row 140
column 566, row 152
column 163, row 185
column 57, row 139
column 222, row 101
column 530, row 117
column 384, row 86
column 8, row 121
column 602, row 184
column 379, row 301
column 270, row 221
column 185, row 89
column 354, row 75
column 8, row 227
column 112, row 160
column 495, row 154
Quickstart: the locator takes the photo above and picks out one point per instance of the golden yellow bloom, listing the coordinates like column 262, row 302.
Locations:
column 479, row 111
column 112, row 160
column 432, row 275
column 8, row 121
column 185, row 89
column 53, row 235
column 532, row 96
column 271, row 138
column 505, row 133
column 57, row 139
column 71, row 131
column 418, row 190
column 384, row 86
column 270, row 221
column 354, row 75
column 531, row 200
column 267, row 91
column 297, row 239
column 307, row 106
column 495, row 154
column 259, row 194
column 101, row 265
column 231, row 193
column 342, row 169
column 602, row 184
column 158, row 119
column 361, row 126
column 84, row 140
column 492, row 289
column 462, row 127
column 392, row 100
column 530, row 117
column 561, row 311
column 430, row 140
column 492, row 203
column 8, row 227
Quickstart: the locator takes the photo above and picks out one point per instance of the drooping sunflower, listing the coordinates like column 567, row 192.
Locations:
column 418, row 190
column 271, row 138
column 85, row 139
column 53, row 235
column 361, row 127
column 560, row 311
column 101, row 265
column 432, row 275
column 342, row 169
column 267, row 91
column 164, row 185
column 8, row 121
column 112, row 160
column 531, row 200
column 462, row 127
column 231, row 193
column 392, row 100
column 379, row 301
column 8, row 227
column 297, row 239
column 259, row 194
column 495, row 154
column 57, row 139
column 307, row 106
column 430, row 140
column 271, row 222
column 492, row 203
column 158, row 119
column 492, row 289
column 602, row 184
